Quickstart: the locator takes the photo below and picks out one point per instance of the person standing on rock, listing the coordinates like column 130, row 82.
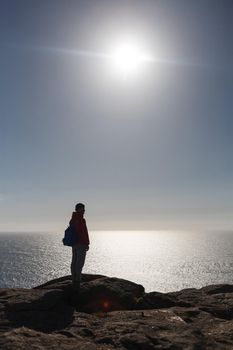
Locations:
column 81, row 246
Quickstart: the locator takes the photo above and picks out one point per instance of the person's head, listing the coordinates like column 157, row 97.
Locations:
column 80, row 208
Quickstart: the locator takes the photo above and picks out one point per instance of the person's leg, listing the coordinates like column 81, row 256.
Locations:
column 73, row 263
column 81, row 255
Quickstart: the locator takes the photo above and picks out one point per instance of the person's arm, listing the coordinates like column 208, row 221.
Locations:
column 86, row 233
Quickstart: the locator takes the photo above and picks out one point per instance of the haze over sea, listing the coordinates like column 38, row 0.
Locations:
column 159, row 260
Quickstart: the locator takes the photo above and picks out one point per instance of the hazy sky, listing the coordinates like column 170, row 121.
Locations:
column 150, row 152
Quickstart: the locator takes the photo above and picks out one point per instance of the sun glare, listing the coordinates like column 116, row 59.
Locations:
column 128, row 59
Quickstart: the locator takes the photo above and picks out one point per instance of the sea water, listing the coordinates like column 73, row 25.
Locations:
column 159, row 260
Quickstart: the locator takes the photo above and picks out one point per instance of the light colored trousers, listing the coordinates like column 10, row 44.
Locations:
column 78, row 259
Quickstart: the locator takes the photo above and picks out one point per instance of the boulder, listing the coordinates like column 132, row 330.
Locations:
column 108, row 294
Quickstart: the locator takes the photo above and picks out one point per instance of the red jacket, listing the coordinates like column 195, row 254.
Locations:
column 79, row 223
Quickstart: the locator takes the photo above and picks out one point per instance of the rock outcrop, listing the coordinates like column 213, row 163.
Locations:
column 112, row 313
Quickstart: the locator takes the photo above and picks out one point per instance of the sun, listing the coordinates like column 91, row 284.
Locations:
column 127, row 59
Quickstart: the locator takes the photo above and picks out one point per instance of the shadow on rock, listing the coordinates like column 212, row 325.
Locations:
column 109, row 294
column 45, row 311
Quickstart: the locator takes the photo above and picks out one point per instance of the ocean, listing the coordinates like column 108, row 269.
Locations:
column 159, row 260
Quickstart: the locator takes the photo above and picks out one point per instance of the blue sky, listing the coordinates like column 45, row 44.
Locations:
column 154, row 152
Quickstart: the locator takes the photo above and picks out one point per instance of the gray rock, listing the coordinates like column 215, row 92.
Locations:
column 111, row 313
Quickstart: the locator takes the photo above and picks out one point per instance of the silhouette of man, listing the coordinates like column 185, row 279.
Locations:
column 81, row 246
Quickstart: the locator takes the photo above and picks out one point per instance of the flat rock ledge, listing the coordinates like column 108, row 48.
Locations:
column 112, row 313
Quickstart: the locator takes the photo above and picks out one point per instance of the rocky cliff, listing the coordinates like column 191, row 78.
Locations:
column 112, row 313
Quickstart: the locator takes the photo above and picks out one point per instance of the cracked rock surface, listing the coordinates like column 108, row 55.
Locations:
column 112, row 313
